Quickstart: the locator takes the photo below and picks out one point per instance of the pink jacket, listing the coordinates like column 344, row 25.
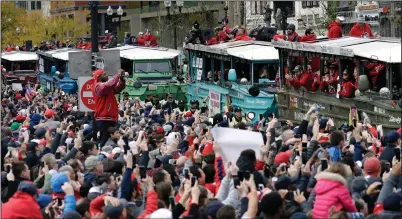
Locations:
column 331, row 191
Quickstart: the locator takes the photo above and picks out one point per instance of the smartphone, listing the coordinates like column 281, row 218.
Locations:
column 398, row 153
column 283, row 168
column 193, row 179
column 324, row 164
column 42, row 164
column 387, row 167
column 261, row 187
column 196, row 146
column 143, row 172
column 236, row 181
column 172, row 201
column 172, row 161
column 240, row 174
column 77, row 129
column 59, row 202
column 289, row 196
column 8, row 168
column 246, row 175
column 58, row 155
column 158, row 163
column 187, row 173
column 379, row 187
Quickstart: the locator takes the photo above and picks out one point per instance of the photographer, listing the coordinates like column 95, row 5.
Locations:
column 107, row 109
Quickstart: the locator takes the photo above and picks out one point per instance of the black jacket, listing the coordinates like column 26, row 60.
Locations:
column 388, row 153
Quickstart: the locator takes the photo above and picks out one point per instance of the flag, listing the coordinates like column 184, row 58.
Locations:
column 28, row 94
column 272, row 109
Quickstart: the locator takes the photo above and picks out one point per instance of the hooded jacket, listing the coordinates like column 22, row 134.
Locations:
column 306, row 38
column 334, row 30
column 294, row 37
column 331, row 190
column 347, row 89
column 388, row 153
column 357, row 32
column 21, row 205
column 107, row 108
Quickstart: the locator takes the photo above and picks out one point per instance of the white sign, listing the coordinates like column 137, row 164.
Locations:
column 199, row 74
column 41, row 65
column 233, row 141
column 16, row 86
column 99, row 63
column 214, row 103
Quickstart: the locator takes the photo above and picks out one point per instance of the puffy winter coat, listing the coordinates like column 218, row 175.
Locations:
column 21, row 205
column 331, row 190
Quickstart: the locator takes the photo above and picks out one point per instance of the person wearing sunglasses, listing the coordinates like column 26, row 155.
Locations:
column 347, row 90
column 309, row 36
column 290, row 36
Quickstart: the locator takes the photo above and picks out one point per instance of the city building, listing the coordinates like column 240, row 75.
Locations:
column 43, row 6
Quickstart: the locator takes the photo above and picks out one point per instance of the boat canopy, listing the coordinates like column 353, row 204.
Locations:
column 146, row 53
column 377, row 49
column 249, row 50
column 19, row 56
column 61, row 54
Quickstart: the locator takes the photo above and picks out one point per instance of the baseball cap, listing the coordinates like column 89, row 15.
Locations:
column 114, row 211
column 49, row 113
column 282, row 157
column 372, row 166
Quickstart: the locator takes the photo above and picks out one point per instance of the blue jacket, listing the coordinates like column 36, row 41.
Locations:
column 69, row 203
column 334, row 153
column 358, row 155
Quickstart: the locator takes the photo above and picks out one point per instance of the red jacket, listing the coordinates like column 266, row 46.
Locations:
column 243, row 37
column 375, row 69
column 326, row 84
column 96, row 205
column 306, row 38
column 357, row 32
column 291, row 38
column 151, row 38
column 334, row 30
column 141, row 41
column 151, row 205
column 213, row 40
column 227, row 29
column 107, row 108
column 331, row 190
column 21, row 205
column 306, row 80
column 347, row 89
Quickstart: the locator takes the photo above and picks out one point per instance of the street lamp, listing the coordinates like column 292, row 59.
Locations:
column 180, row 4
column 167, row 4
column 109, row 11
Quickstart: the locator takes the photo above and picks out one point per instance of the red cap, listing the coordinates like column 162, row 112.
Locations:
column 160, row 130
column 19, row 118
column 282, row 157
column 49, row 113
column 188, row 114
column 42, row 142
column 97, row 73
column 70, row 133
column 66, row 106
column 399, row 130
column 372, row 166
column 208, row 149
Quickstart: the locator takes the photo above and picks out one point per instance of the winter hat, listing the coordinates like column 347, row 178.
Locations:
column 161, row 213
column 393, row 202
column 15, row 126
column 35, row 119
column 282, row 157
column 359, row 184
column 299, row 215
column 283, row 182
column 189, row 121
column 392, row 137
column 40, row 132
column 114, row 211
column 28, row 187
column 188, row 114
column 372, row 166
column 90, row 162
column 57, row 181
column 49, row 113
column 71, row 215
column 97, row 73
column 43, row 200
column 167, row 128
column 20, row 118
column 212, row 208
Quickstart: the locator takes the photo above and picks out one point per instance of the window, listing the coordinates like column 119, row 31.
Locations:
column 38, row 5
column 253, row 7
column 310, row 4
column 19, row 67
column 154, row 67
column 33, row 6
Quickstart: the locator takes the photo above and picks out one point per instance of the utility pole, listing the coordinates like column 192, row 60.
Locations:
column 94, row 26
column 95, row 50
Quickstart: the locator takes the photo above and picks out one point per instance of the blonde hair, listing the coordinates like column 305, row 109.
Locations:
column 338, row 168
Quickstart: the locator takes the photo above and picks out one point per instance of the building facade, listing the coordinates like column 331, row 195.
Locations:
column 43, row 6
